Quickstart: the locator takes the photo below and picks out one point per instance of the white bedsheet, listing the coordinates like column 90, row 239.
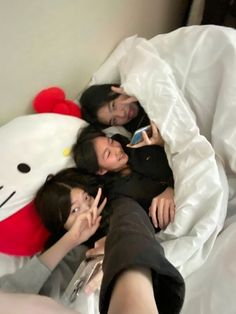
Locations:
column 211, row 289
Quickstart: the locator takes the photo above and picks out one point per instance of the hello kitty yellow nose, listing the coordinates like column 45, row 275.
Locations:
column 66, row 152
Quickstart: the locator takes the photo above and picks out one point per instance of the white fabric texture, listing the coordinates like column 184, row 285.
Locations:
column 211, row 289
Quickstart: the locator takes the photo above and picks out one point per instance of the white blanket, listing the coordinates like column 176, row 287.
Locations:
column 185, row 80
column 181, row 80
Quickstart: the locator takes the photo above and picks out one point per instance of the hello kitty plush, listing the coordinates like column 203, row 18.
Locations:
column 33, row 146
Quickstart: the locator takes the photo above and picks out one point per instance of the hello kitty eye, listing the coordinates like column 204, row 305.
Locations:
column 23, row 168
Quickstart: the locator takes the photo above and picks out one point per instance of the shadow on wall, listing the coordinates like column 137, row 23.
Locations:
column 220, row 12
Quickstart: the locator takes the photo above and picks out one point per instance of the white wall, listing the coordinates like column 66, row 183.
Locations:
column 62, row 42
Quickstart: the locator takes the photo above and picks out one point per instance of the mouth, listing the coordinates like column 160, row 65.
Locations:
column 122, row 156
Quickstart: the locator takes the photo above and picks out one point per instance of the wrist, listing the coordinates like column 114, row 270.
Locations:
column 69, row 241
column 52, row 256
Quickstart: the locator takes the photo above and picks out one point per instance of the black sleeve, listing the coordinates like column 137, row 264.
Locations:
column 131, row 242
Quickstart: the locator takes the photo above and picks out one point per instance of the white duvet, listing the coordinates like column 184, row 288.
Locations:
column 186, row 82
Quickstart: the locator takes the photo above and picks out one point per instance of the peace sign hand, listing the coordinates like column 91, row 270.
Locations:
column 86, row 224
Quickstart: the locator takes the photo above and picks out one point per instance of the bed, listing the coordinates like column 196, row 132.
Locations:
column 184, row 81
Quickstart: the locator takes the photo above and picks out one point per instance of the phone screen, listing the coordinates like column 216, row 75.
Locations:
column 137, row 137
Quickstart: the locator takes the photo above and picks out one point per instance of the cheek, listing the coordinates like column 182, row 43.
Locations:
column 103, row 115
column 115, row 164
column 120, row 102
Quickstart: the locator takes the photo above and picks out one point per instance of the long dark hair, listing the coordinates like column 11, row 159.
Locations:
column 53, row 199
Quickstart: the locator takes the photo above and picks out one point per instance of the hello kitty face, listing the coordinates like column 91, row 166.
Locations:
column 32, row 147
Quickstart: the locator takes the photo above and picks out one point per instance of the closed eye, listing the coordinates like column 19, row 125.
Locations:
column 107, row 154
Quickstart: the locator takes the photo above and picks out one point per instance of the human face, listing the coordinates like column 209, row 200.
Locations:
column 81, row 202
column 110, row 155
column 118, row 111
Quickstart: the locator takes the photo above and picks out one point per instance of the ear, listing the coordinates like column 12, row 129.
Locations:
column 101, row 171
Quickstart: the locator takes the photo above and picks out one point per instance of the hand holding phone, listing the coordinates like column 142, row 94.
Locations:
column 148, row 135
column 138, row 135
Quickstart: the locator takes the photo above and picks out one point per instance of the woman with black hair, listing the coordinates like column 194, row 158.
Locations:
column 106, row 105
column 135, row 268
column 71, row 215
column 142, row 173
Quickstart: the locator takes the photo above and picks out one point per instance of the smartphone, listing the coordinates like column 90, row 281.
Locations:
column 137, row 137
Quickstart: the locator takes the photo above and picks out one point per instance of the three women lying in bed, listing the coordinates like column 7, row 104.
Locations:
column 64, row 203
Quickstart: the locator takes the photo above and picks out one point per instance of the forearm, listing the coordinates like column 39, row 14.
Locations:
column 51, row 257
